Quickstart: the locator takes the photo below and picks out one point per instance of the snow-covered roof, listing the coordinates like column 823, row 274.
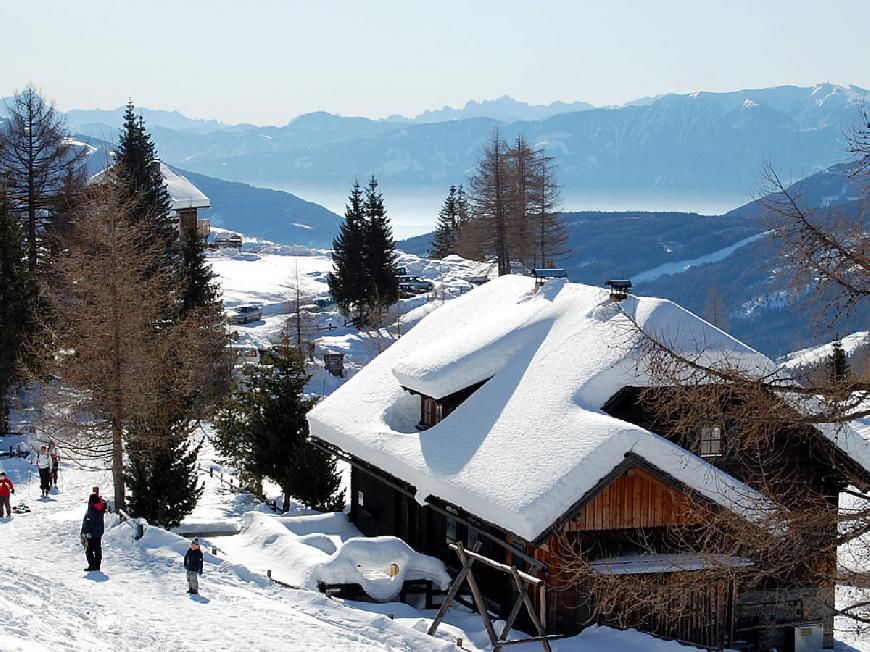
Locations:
column 533, row 440
column 182, row 193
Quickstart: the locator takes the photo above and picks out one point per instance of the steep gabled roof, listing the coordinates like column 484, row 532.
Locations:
column 533, row 440
column 182, row 192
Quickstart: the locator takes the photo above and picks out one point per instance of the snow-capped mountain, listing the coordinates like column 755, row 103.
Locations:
column 504, row 109
column 703, row 143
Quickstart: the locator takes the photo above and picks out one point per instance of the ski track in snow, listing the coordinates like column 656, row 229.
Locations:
column 47, row 602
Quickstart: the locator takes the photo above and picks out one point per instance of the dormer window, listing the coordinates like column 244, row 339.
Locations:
column 431, row 411
column 710, row 443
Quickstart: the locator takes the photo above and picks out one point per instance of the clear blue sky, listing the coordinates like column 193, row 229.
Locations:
column 266, row 61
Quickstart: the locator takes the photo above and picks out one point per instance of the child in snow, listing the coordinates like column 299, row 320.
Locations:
column 193, row 564
column 6, row 489
column 43, row 464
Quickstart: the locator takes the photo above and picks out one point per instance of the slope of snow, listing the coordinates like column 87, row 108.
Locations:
column 813, row 355
column 139, row 600
column 556, row 356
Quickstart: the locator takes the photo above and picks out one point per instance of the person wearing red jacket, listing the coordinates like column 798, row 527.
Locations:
column 6, row 489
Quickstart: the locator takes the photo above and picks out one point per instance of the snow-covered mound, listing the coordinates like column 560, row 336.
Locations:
column 369, row 562
column 306, row 550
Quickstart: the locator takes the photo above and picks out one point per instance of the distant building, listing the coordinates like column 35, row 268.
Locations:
column 226, row 240
column 185, row 199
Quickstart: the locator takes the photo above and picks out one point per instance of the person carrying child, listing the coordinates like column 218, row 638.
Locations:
column 193, row 564
column 6, row 489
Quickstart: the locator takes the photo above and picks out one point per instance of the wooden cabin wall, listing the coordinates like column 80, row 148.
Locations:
column 634, row 500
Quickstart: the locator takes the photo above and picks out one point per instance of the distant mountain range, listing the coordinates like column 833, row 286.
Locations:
column 698, row 144
column 505, row 109
column 681, row 256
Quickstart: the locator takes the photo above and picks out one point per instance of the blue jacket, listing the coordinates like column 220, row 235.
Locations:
column 92, row 525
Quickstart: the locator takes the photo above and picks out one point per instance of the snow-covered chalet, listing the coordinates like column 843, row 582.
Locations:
column 510, row 415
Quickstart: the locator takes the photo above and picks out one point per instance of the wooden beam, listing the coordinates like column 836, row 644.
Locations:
column 475, row 593
column 531, row 579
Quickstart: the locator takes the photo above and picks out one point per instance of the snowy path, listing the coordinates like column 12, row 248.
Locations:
column 47, row 602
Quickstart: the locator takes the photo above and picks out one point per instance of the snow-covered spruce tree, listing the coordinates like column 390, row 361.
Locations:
column 447, row 228
column 35, row 153
column 261, row 431
column 379, row 253
column 348, row 282
column 16, row 300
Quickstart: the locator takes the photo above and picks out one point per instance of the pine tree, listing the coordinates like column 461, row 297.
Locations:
column 379, row 253
column 348, row 282
column 35, row 153
column 489, row 190
column 16, row 299
column 447, row 228
column 262, row 430
column 550, row 237
column 137, row 170
column 198, row 287
column 191, row 322
column 161, row 477
column 839, row 370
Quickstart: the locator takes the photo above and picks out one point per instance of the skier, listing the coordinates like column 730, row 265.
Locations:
column 92, row 532
column 6, row 488
column 43, row 463
column 54, row 456
column 193, row 564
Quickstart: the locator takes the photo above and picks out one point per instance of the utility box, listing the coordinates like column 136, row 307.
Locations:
column 334, row 363
column 806, row 637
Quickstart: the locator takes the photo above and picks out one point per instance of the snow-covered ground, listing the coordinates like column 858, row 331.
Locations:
column 138, row 601
column 266, row 275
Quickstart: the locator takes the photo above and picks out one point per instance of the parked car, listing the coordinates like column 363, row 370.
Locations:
column 245, row 313
column 245, row 354
column 324, row 302
column 419, row 284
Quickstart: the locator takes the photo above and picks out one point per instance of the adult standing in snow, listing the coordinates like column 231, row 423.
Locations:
column 92, row 532
column 43, row 463
column 193, row 564
column 6, row 489
column 54, row 456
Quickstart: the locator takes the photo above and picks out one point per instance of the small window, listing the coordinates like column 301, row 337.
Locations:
column 430, row 412
column 710, row 444
column 473, row 537
column 360, row 498
column 451, row 527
